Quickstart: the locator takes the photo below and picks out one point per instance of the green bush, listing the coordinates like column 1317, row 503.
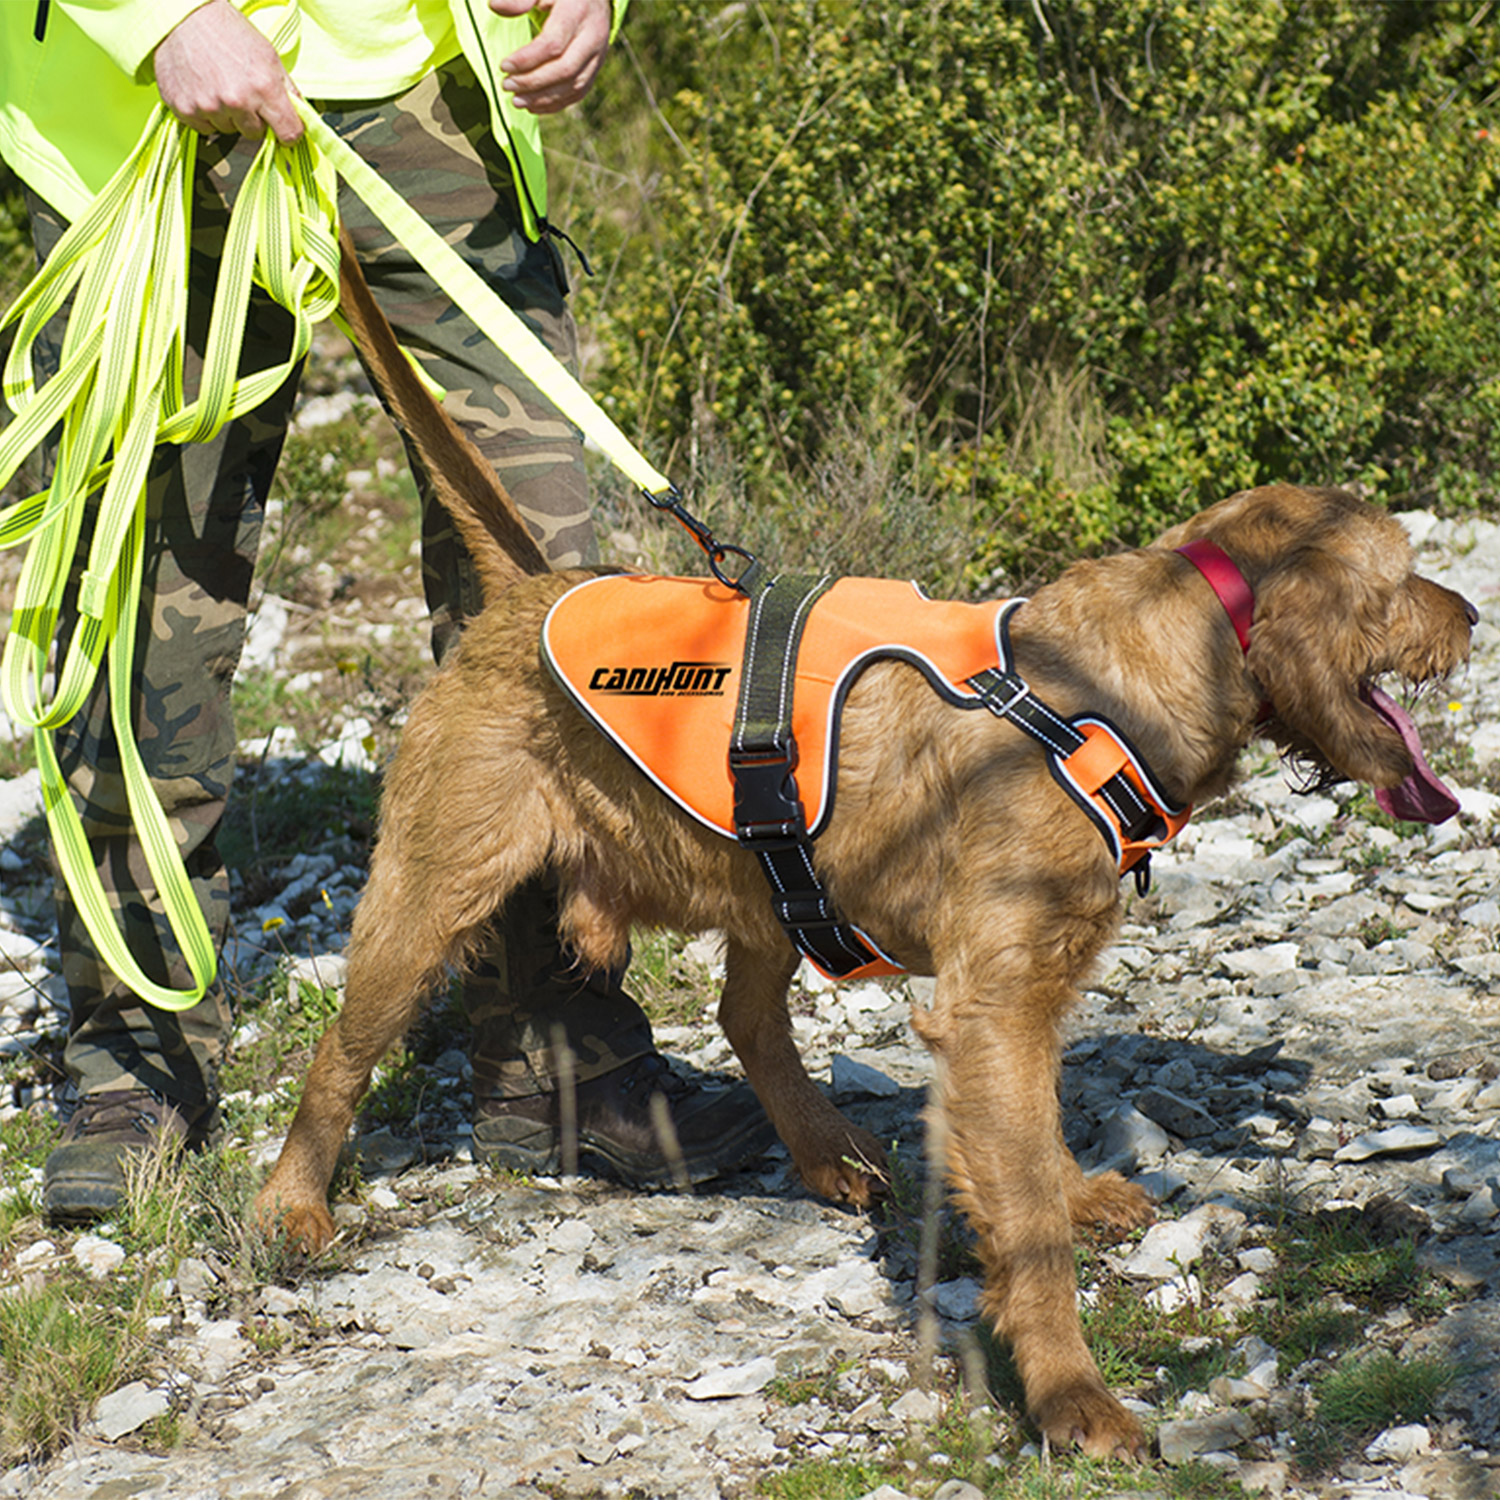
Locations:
column 1093, row 262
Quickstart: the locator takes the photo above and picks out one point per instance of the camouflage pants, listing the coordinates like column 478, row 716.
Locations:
column 206, row 503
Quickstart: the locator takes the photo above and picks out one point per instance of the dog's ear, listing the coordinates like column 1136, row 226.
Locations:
column 1318, row 633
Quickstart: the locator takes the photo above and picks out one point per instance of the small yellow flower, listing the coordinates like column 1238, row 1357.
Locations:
column 272, row 923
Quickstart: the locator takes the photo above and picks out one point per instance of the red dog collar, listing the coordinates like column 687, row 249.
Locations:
column 1226, row 580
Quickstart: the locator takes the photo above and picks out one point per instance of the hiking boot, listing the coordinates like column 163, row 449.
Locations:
column 84, row 1177
column 709, row 1133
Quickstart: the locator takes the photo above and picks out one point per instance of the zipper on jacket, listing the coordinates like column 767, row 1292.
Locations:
column 39, row 30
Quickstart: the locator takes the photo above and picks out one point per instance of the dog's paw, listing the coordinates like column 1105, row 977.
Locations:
column 308, row 1227
column 1109, row 1200
column 849, row 1170
column 1088, row 1418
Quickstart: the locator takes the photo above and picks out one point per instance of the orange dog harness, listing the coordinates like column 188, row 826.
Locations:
column 730, row 705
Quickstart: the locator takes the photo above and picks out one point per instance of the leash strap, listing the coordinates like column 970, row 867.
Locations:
column 493, row 318
column 732, row 566
column 769, row 818
column 118, row 393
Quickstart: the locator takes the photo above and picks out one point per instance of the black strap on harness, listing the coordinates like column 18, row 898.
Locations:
column 1007, row 696
column 769, row 819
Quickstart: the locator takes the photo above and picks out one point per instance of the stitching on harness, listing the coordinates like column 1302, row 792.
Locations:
column 810, row 598
column 757, row 610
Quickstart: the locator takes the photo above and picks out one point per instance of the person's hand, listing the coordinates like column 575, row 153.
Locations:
column 218, row 74
column 558, row 66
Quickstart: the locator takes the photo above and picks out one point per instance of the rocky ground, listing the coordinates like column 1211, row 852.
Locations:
column 1305, row 1011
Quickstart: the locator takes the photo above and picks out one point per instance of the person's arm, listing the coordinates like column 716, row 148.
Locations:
column 558, row 66
column 217, row 73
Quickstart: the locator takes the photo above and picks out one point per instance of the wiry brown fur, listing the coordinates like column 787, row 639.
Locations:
column 951, row 844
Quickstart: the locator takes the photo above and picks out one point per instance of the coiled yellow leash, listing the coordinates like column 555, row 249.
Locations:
column 118, row 393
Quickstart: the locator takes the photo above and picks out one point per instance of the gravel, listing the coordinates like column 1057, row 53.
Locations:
column 1303, row 1009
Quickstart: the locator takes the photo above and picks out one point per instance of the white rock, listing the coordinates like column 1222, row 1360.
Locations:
column 1475, row 804
column 327, row 971
column 1174, row 1245
column 266, row 632
column 570, row 1237
column 1400, row 1107
column 278, row 1301
column 1400, row 1443
column 128, row 1408
column 20, row 802
column 863, row 1000
column 1255, row 963
column 854, row 1080
column 1179, row 1292
column 856, row 1301
column 1126, row 1132
column 738, row 1380
column 352, row 749
column 19, row 951
column 957, row 1300
column 918, row 1407
column 1482, row 1206
column 1182, row 1442
column 1241, row 1292
column 99, row 1257
column 1418, row 524
column 1395, row 1140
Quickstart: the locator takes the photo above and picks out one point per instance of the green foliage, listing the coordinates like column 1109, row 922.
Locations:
column 59, row 1352
column 1357, row 1398
column 822, row 1480
column 1100, row 260
column 17, row 258
column 1382, row 1390
column 1334, row 1272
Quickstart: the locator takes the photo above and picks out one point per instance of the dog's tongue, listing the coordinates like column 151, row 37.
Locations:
column 1421, row 798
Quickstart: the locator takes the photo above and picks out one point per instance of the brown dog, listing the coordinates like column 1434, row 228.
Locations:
column 950, row 844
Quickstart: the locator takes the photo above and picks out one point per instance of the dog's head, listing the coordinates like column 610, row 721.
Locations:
column 1337, row 606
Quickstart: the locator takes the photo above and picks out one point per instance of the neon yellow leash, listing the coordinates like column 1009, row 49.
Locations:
column 118, row 393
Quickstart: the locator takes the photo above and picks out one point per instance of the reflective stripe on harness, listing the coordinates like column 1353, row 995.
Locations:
column 1097, row 766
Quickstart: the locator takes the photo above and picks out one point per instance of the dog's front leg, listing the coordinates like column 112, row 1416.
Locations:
column 1005, row 1158
column 836, row 1159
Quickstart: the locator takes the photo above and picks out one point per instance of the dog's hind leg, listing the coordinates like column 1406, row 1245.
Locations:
column 1105, row 1199
column 836, row 1159
column 411, row 924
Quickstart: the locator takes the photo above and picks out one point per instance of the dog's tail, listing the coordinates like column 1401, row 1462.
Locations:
column 491, row 527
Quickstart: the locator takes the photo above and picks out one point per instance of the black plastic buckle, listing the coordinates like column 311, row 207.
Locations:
column 767, row 804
